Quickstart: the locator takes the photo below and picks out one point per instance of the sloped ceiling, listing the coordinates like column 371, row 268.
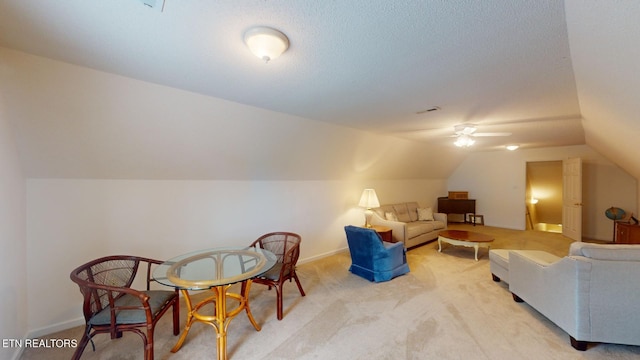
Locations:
column 366, row 66
column 604, row 39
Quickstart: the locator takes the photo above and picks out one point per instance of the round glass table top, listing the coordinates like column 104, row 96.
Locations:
column 204, row 269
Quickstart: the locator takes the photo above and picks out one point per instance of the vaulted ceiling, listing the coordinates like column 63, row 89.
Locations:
column 550, row 72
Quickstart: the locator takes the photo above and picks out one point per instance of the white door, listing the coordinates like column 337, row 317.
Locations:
column 572, row 198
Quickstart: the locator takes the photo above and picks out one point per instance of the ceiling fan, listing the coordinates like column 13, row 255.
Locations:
column 466, row 132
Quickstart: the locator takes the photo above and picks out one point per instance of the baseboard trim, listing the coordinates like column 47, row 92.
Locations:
column 323, row 255
column 47, row 330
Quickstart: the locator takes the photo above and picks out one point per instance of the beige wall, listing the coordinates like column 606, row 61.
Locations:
column 74, row 122
column 13, row 256
column 161, row 219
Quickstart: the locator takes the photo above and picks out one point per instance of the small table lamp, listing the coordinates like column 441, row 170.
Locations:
column 368, row 200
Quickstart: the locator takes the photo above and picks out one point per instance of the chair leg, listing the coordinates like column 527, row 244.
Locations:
column 295, row 276
column 279, row 300
column 148, row 349
column 148, row 345
column 83, row 343
column 176, row 317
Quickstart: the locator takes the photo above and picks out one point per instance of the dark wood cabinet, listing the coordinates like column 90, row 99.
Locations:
column 627, row 233
column 456, row 206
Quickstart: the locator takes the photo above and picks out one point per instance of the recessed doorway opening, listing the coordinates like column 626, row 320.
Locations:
column 544, row 196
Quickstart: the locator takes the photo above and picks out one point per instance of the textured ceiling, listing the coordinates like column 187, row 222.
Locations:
column 366, row 64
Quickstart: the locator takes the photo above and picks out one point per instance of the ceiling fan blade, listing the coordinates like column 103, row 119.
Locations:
column 465, row 129
column 492, row 134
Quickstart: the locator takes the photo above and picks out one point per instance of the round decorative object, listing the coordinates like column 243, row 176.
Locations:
column 615, row 213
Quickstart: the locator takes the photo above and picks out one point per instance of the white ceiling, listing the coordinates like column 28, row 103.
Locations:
column 367, row 64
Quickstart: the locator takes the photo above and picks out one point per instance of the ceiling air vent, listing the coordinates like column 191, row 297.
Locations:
column 154, row 4
column 432, row 109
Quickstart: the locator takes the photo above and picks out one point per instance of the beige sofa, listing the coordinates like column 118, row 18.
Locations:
column 592, row 293
column 408, row 228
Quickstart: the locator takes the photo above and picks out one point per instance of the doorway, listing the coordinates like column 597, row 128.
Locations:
column 544, row 196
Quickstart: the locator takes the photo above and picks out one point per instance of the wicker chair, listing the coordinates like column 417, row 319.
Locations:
column 111, row 306
column 286, row 247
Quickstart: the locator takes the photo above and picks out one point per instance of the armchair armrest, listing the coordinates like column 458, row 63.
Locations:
column 149, row 262
column 396, row 249
column 121, row 299
column 398, row 228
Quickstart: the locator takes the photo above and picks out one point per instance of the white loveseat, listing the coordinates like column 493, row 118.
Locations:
column 593, row 293
column 408, row 227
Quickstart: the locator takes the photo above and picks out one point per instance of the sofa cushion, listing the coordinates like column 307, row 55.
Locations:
column 539, row 256
column 606, row 251
column 390, row 215
column 437, row 224
column 382, row 210
column 425, row 214
column 500, row 257
column 157, row 299
column 418, row 228
column 499, row 264
column 402, row 212
column 412, row 207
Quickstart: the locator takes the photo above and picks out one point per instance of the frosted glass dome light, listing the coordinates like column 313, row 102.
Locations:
column 266, row 43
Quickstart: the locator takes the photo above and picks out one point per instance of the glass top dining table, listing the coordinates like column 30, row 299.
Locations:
column 203, row 269
column 216, row 270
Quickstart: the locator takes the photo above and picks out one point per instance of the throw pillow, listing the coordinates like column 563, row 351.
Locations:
column 425, row 214
column 390, row 216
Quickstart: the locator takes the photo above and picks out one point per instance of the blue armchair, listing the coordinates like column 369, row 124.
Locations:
column 373, row 259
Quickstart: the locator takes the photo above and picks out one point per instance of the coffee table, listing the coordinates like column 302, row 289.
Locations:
column 464, row 238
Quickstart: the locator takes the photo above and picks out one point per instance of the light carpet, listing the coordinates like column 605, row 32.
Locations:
column 447, row 307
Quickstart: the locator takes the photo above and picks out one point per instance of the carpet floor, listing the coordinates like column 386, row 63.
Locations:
column 447, row 307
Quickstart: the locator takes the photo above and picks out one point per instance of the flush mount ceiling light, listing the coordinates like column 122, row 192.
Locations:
column 512, row 147
column 266, row 43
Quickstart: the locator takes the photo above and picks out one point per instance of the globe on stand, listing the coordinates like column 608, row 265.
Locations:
column 614, row 213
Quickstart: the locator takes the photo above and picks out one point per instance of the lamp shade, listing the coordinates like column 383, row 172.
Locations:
column 369, row 199
column 266, row 43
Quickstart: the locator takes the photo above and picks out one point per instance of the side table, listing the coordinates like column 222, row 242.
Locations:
column 384, row 232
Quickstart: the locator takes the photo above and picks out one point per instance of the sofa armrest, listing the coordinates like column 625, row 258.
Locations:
column 440, row 217
column 398, row 228
column 555, row 289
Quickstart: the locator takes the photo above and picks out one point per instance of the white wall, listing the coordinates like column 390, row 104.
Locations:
column 165, row 218
column 497, row 180
column 13, row 257
column 74, row 122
